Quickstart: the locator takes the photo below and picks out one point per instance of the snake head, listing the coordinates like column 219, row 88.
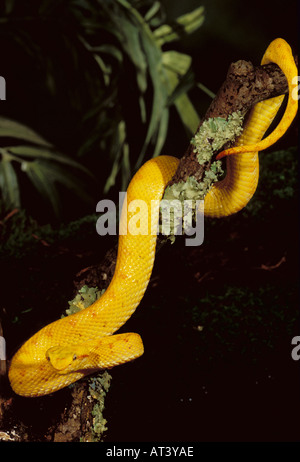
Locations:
column 61, row 358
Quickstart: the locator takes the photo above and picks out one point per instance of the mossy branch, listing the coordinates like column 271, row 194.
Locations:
column 244, row 86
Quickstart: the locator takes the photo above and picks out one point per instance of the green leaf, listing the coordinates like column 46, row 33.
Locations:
column 206, row 90
column 9, row 6
column 118, row 141
column 108, row 49
column 40, row 180
column 12, row 129
column 43, row 153
column 154, row 9
column 58, row 174
column 178, row 63
column 187, row 113
column 44, row 175
column 9, row 185
column 106, row 70
column 113, row 174
column 185, row 24
column 177, row 67
column 126, row 170
column 141, row 46
column 162, row 132
column 160, row 90
column 110, row 41
column 125, row 23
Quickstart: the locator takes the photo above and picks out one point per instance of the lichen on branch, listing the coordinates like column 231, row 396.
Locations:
column 99, row 384
column 211, row 137
column 214, row 133
column 244, row 86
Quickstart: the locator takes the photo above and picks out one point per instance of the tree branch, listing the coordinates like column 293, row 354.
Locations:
column 244, row 86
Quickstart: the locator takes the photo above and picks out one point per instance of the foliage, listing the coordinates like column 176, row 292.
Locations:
column 21, row 235
column 103, row 64
column 43, row 165
column 235, row 320
column 278, row 185
column 278, row 182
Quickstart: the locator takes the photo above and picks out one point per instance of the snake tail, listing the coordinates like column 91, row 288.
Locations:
column 280, row 53
column 70, row 348
column 233, row 193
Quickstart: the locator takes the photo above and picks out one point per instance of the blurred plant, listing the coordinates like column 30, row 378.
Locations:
column 44, row 166
column 279, row 180
column 115, row 84
column 240, row 321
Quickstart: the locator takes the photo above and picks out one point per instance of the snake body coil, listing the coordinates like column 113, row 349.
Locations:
column 70, row 348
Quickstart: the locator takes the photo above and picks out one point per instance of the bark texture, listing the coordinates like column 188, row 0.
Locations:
column 244, row 86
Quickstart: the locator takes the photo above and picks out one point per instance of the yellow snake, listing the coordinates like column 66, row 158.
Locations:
column 77, row 345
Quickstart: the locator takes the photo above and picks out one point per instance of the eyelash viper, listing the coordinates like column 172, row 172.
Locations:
column 68, row 349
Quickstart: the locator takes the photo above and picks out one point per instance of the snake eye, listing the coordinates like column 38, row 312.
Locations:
column 74, row 357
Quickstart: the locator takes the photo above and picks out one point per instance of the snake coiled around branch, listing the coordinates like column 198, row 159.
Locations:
column 72, row 347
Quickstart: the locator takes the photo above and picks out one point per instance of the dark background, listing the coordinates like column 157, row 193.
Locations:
column 233, row 381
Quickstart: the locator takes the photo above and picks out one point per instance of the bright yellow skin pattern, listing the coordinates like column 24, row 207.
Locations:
column 88, row 332
column 234, row 192
column 70, row 348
